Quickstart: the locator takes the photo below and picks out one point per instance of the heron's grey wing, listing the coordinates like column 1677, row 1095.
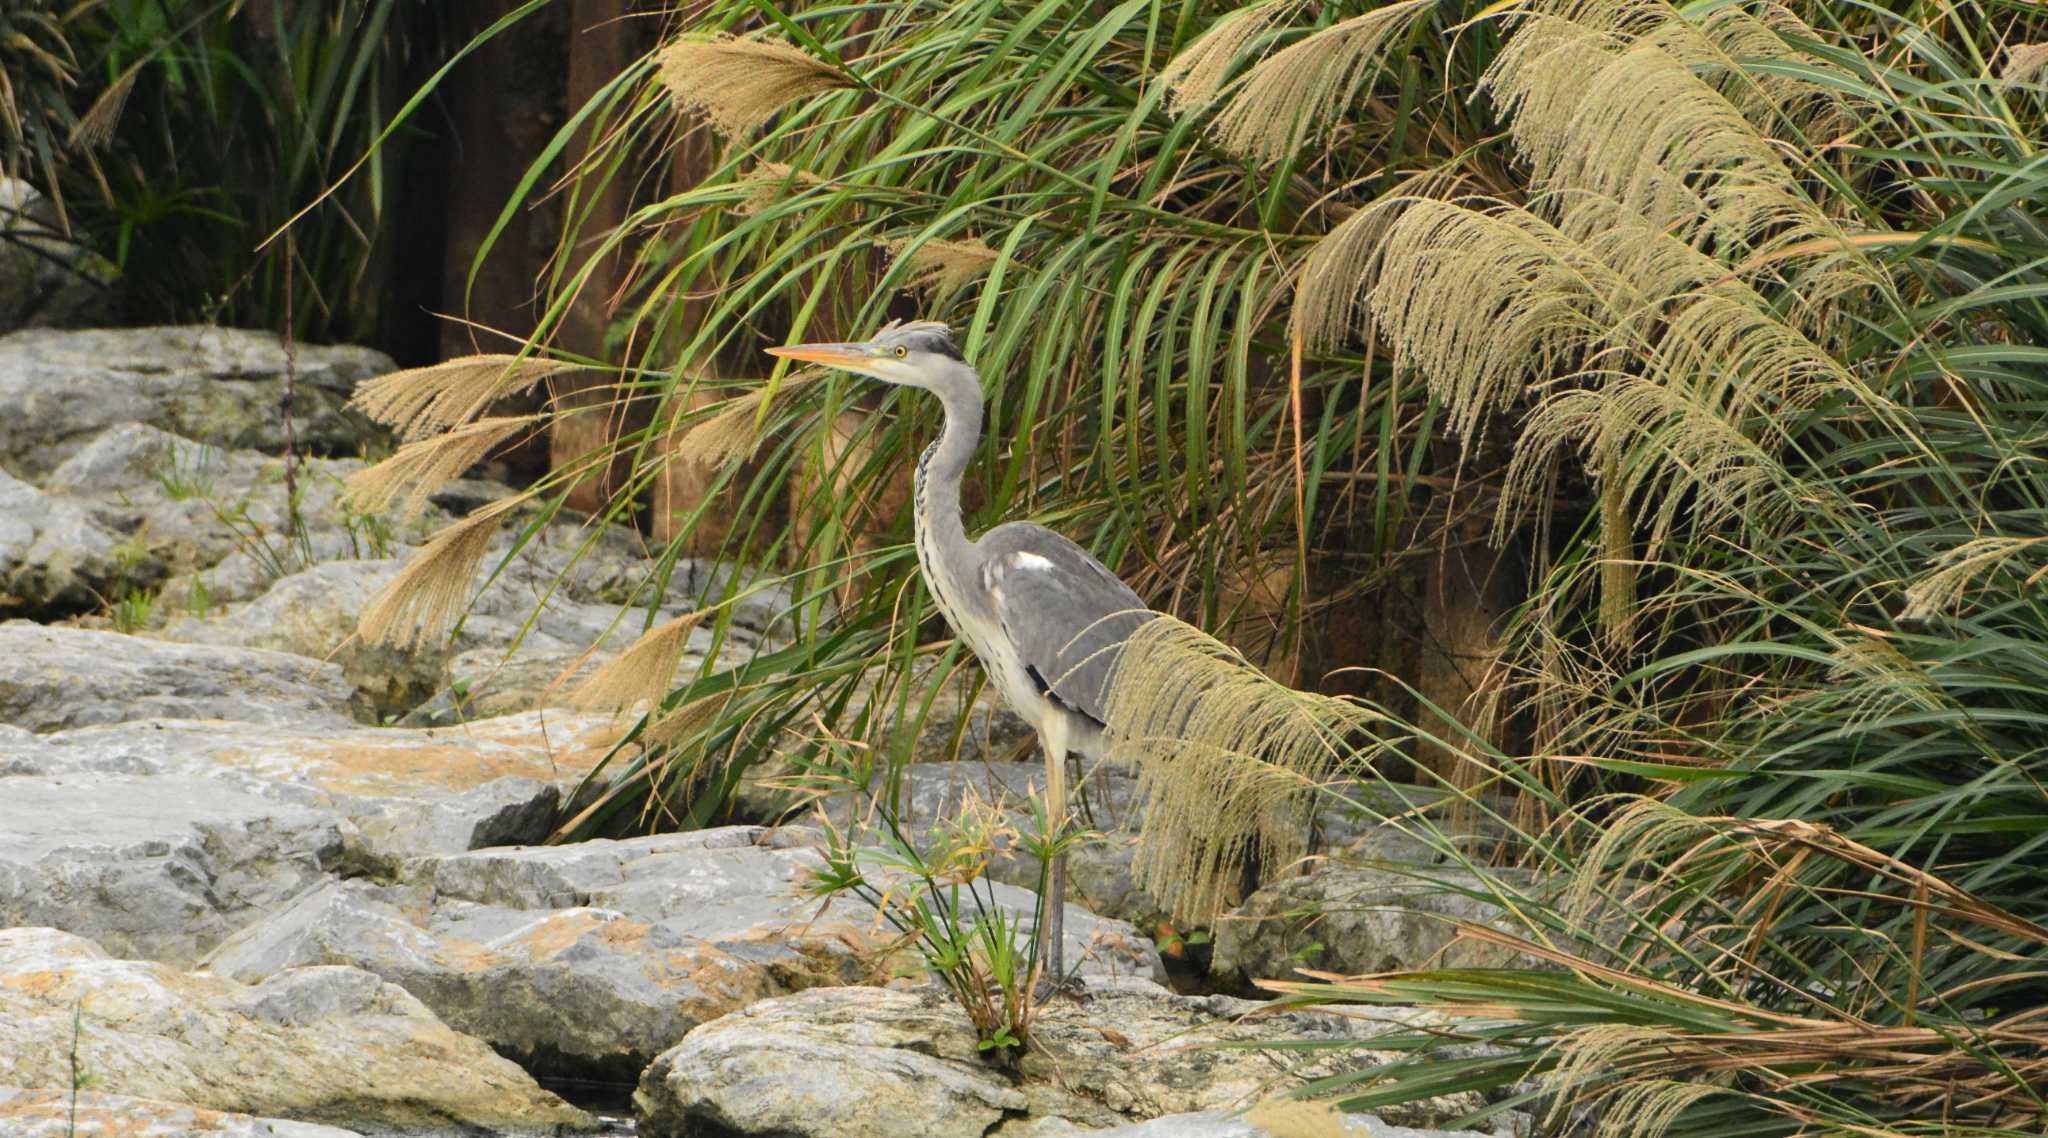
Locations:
column 1067, row 614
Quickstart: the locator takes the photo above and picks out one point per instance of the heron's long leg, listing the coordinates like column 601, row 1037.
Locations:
column 1053, row 735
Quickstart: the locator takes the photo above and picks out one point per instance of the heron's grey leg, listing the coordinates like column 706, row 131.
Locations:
column 1053, row 735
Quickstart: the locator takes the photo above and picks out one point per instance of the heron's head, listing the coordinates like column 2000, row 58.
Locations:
column 915, row 355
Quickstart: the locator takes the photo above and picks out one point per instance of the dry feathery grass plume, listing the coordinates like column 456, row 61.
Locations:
column 1295, row 1118
column 740, row 83
column 942, row 266
column 426, row 597
column 1957, row 569
column 1594, row 111
column 2023, row 63
column 419, row 401
column 735, row 431
column 1195, row 77
column 770, row 182
column 1302, row 90
column 640, row 674
column 1484, row 297
column 687, row 721
column 419, row 468
column 1228, row 762
column 95, row 127
column 1330, row 294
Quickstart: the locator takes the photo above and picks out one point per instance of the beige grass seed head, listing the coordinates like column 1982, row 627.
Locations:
column 433, row 589
column 420, row 401
column 942, row 266
column 421, row 467
column 1228, row 763
column 642, row 673
column 739, row 84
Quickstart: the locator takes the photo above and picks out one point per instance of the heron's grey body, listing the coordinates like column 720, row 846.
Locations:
column 1046, row 619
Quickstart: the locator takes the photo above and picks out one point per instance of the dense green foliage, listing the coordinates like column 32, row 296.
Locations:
column 1737, row 316
column 177, row 135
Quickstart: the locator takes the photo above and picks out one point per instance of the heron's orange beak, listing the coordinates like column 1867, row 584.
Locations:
column 830, row 355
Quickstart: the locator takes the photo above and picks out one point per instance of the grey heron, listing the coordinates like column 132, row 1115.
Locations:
column 1047, row 620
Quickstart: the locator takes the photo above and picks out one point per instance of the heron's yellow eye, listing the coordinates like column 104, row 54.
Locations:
column 901, row 351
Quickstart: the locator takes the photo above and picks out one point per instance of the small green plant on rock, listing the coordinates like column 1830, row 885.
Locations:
column 940, row 901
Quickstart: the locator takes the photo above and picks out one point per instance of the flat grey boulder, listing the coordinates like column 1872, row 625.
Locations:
column 161, row 838
column 188, row 505
column 1355, row 916
column 90, row 1114
column 903, row 1063
column 54, row 678
column 213, row 385
column 314, row 1044
column 55, row 559
column 589, row 959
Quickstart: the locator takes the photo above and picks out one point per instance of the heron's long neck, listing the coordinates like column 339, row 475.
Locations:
column 941, row 531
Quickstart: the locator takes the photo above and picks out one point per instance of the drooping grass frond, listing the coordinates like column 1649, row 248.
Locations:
column 740, row 83
column 1301, row 91
column 1228, row 763
column 643, row 671
column 1330, row 295
column 685, row 722
column 1587, row 1056
column 1637, row 123
column 96, row 126
column 423, row 466
column 1481, row 300
column 419, row 401
column 1646, row 1108
column 423, row 601
column 735, row 431
column 943, row 266
column 1196, row 76
column 2023, row 63
column 771, row 182
column 1957, row 569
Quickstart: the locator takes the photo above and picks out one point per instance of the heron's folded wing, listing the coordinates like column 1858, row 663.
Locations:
column 1066, row 613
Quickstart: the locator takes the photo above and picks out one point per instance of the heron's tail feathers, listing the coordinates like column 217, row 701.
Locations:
column 1228, row 763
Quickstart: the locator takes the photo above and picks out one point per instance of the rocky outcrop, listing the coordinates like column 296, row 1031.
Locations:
column 46, row 279
column 315, row 1044
column 591, row 958
column 55, row 560
column 903, row 1063
column 211, row 385
column 56, row 678
column 90, row 1114
column 1257, row 1124
column 545, row 613
column 161, row 838
column 1355, row 917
